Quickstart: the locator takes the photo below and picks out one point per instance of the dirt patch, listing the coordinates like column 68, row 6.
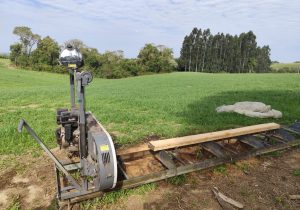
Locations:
column 16, row 108
column 258, row 183
column 18, row 179
column 33, row 192
column 3, row 197
column 142, row 166
column 294, row 162
column 30, row 106
column 147, row 201
column 28, row 182
column 151, row 137
column 6, row 178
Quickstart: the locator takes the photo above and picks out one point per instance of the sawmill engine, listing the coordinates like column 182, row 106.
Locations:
column 68, row 134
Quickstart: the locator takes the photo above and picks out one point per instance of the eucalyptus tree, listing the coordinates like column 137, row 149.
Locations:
column 27, row 38
column 203, row 51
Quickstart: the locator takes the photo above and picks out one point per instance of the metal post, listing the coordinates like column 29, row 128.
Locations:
column 58, row 182
column 82, row 120
column 72, row 88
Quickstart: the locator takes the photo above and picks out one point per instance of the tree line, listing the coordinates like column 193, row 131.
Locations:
column 42, row 54
column 202, row 51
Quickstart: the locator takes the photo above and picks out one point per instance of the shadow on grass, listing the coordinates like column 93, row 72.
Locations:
column 200, row 116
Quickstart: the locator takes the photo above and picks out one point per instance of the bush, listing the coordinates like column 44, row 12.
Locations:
column 284, row 70
column 111, row 71
column 110, row 64
column 157, row 59
column 130, row 66
column 4, row 55
column 45, row 67
column 23, row 61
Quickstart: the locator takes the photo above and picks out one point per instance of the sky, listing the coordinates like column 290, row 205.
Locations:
column 129, row 24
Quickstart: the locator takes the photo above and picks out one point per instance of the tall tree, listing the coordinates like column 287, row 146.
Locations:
column 206, row 42
column 184, row 53
column 15, row 52
column 76, row 43
column 27, row 38
column 155, row 59
column 203, row 51
column 149, row 58
column 47, row 52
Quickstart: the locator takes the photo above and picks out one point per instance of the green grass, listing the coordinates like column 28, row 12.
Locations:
column 115, row 196
column 221, row 169
column 15, row 203
column 177, row 180
column 4, row 62
column 132, row 109
column 296, row 172
column 274, row 154
column 243, row 167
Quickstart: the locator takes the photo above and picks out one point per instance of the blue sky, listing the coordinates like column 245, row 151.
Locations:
column 129, row 24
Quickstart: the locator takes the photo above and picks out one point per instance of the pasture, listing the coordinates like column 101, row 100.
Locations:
column 286, row 67
column 140, row 108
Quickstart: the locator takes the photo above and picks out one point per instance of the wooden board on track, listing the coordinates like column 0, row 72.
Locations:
column 212, row 136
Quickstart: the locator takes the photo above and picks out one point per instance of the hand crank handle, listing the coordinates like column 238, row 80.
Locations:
column 21, row 124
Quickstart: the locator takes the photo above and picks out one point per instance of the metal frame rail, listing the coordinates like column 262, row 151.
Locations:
column 219, row 153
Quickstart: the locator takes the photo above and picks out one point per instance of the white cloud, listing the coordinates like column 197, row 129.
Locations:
column 128, row 25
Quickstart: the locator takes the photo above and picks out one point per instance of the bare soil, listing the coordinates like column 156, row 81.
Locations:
column 259, row 183
column 26, row 181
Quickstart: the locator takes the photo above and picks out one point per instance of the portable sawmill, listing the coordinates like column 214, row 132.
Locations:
column 94, row 165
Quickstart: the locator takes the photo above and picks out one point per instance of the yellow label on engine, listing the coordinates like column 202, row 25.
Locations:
column 104, row 148
column 72, row 65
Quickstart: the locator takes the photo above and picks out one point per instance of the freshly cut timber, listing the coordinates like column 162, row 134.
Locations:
column 205, row 137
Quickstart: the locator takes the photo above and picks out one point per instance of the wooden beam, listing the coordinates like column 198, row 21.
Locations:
column 214, row 148
column 252, row 141
column 213, row 136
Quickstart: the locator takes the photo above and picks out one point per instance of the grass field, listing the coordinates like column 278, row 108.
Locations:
column 286, row 67
column 134, row 109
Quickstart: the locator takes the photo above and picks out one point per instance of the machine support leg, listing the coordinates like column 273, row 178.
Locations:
column 22, row 124
column 58, row 183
